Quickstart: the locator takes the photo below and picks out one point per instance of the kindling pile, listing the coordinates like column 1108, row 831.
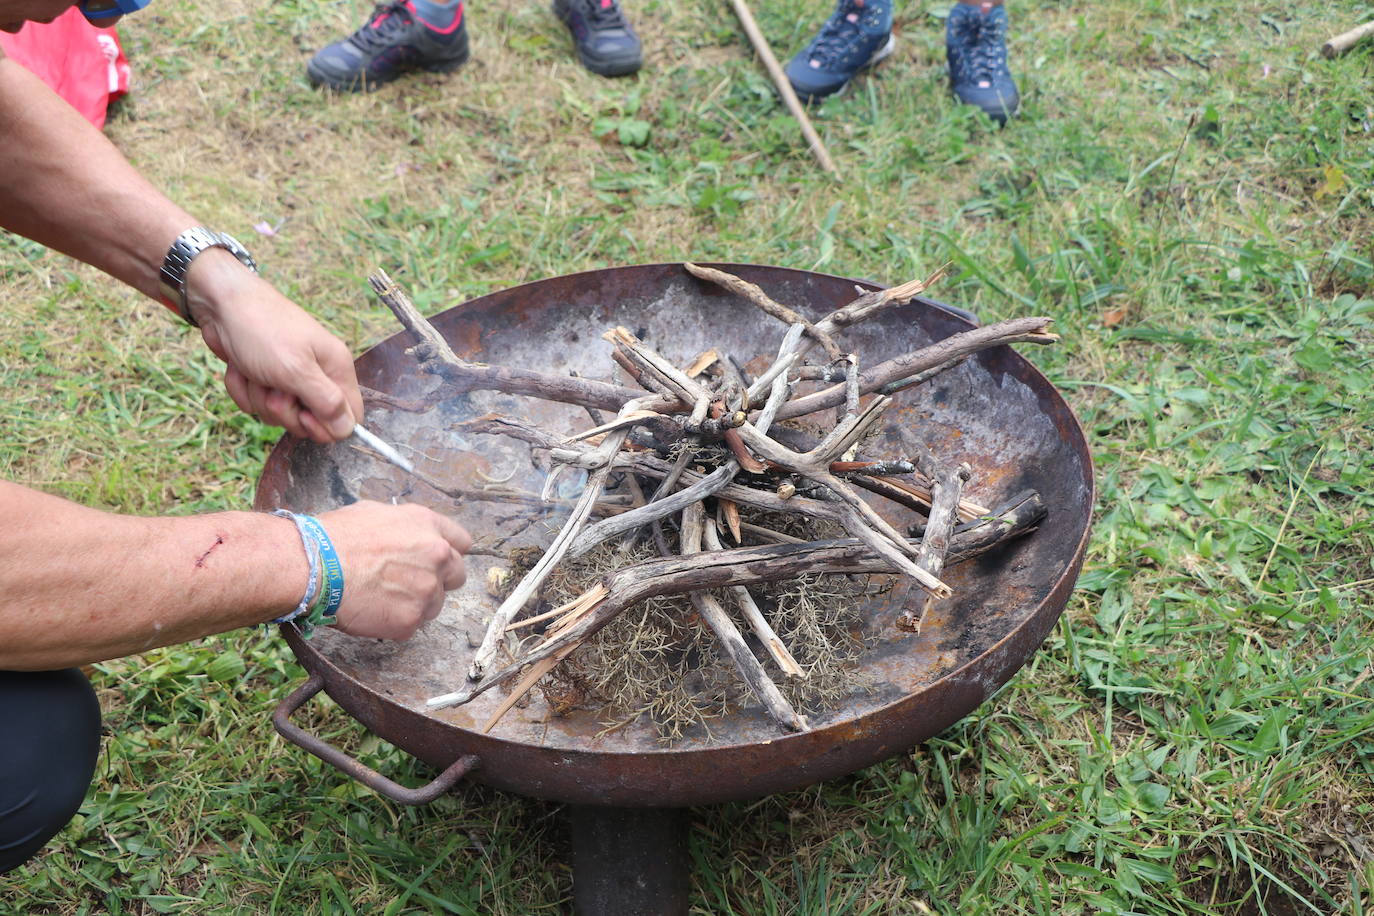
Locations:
column 699, row 455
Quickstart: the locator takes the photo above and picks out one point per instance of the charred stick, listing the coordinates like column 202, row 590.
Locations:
column 750, row 609
column 756, row 296
column 913, row 498
column 693, row 527
column 913, row 495
column 892, row 468
column 739, row 370
column 749, row 566
column 1018, row 515
column 658, row 435
column 1017, row 330
column 946, row 487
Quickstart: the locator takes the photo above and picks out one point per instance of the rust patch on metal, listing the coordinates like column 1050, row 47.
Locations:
column 465, row 338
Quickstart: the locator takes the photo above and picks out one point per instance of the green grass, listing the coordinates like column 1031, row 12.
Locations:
column 1189, row 192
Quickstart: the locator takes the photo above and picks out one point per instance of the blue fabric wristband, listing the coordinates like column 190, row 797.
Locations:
column 330, row 568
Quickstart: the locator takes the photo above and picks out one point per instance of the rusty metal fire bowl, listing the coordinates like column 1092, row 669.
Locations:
column 994, row 411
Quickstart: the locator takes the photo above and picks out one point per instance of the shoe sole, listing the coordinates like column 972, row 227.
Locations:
column 611, row 67
column 319, row 79
column 1010, row 105
column 879, row 55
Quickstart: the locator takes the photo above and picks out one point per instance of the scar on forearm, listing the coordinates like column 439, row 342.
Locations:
column 219, row 539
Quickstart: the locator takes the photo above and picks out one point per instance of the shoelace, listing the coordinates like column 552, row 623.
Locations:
column 836, row 36
column 984, row 57
column 602, row 16
column 386, row 20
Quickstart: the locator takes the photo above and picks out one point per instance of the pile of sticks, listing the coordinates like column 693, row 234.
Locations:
column 691, row 447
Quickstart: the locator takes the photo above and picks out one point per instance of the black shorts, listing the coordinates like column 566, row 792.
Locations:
column 49, row 738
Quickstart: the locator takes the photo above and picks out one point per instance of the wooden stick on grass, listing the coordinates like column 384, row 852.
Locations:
column 1334, row 47
column 789, row 95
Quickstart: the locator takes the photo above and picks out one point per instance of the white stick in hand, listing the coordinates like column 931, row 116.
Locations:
column 386, row 451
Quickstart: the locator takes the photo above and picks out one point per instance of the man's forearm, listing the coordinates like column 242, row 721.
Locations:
column 62, row 183
column 80, row 585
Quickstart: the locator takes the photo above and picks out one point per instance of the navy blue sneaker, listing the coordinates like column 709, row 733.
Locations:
column 394, row 41
column 605, row 42
column 976, row 45
column 857, row 35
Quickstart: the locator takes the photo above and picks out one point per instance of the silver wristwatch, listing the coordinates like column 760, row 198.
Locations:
column 172, row 277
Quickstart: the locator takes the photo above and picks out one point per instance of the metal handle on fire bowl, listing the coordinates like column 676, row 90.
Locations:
column 281, row 720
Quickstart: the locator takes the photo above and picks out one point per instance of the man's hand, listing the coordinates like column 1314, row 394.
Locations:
column 282, row 366
column 398, row 561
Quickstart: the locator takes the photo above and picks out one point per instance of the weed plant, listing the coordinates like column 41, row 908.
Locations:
column 1189, row 191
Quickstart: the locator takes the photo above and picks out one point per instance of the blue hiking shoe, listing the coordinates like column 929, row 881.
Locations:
column 605, row 42
column 394, row 41
column 976, row 46
column 857, row 35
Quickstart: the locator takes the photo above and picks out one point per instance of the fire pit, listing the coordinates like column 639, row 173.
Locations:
column 994, row 412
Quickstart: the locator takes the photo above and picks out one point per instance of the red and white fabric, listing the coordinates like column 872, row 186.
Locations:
column 83, row 64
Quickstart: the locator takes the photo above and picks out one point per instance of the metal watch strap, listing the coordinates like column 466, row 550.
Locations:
column 172, row 276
